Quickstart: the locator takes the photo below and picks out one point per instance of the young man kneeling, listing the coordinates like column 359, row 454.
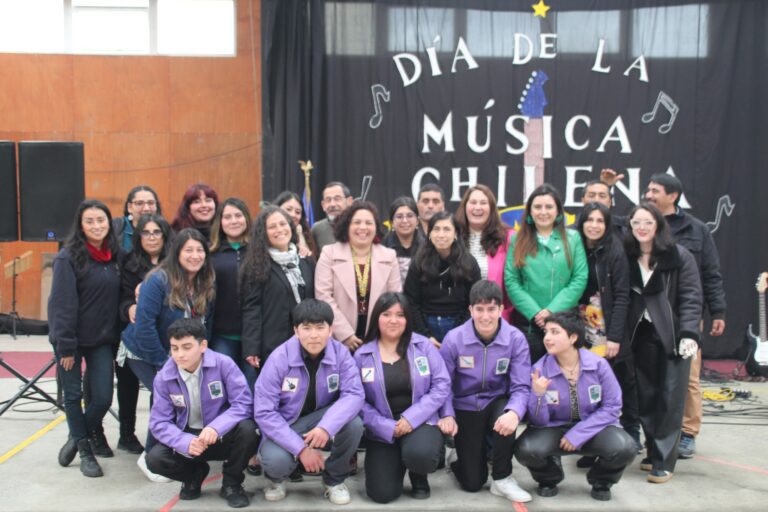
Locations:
column 201, row 412
column 307, row 398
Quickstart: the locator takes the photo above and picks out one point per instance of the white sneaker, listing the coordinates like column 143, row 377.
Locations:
column 153, row 477
column 508, row 488
column 274, row 491
column 338, row 494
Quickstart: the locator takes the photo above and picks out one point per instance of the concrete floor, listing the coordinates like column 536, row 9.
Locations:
column 730, row 472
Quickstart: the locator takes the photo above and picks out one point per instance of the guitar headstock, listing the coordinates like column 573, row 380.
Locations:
column 533, row 100
column 762, row 282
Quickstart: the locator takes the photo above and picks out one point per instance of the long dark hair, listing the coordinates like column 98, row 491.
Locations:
column 132, row 194
column 138, row 258
column 606, row 240
column 427, row 259
column 257, row 262
column 285, row 196
column 662, row 241
column 203, row 289
column 386, row 301
column 217, row 232
column 526, row 242
column 184, row 217
column 494, row 233
column 76, row 242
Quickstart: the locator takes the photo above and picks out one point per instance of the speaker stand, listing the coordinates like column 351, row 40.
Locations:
column 13, row 314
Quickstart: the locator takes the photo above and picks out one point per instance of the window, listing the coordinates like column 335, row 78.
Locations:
column 110, row 26
column 32, row 27
column 414, row 29
column 581, row 31
column 678, row 31
column 492, row 34
column 349, row 29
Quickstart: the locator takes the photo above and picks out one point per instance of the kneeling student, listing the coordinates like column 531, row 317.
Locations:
column 489, row 363
column 574, row 409
column 405, row 384
column 308, row 398
column 201, row 412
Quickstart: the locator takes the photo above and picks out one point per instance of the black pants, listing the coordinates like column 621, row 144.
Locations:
column 127, row 397
column 471, row 468
column 662, row 383
column 535, row 338
column 385, row 464
column 235, row 448
column 539, row 450
column 624, row 370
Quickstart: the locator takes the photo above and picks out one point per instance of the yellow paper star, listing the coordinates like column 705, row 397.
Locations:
column 540, row 9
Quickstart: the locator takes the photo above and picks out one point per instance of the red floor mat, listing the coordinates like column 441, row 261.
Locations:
column 27, row 363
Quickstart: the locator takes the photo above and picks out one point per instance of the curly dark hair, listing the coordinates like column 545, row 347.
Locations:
column 76, row 241
column 341, row 226
column 256, row 263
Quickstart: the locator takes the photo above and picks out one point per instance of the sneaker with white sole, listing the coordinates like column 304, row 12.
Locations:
column 274, row 491
column 508, row 488
column 338, row 494
column 152, row 477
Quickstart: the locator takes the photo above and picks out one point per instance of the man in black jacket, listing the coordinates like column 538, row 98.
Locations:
column 664, row 191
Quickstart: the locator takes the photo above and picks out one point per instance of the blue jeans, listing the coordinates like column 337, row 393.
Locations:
column 146, row 374
column 99, row 362
column 234, row 349
column 440, row 325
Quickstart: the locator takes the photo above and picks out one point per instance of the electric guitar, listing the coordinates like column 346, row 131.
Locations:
column 758, row 364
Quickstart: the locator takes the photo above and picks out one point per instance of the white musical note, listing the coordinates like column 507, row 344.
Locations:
column 379, row 93
column 365, row 187
column 668, row 103
column 724, row 205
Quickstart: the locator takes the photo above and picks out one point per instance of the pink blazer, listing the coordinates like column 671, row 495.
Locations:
column 335, row 283
column 496, row 274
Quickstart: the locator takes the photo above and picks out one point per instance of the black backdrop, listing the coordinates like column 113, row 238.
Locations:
column 707, row 60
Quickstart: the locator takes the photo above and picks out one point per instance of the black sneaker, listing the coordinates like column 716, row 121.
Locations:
column 585, row 462
column 296, row 476
column 191, row 490
column 254, row 469
column 419, row 486
column 68, row 452
column 235, row 496
column 88, row 464
column 646, row 464
column 601, row 492
column 99, row 445
column 547, row 490
column 130, row 443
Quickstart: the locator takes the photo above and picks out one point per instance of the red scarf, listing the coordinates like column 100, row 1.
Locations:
column 103, row 255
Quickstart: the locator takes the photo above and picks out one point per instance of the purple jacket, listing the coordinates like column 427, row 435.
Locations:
column 599, row 398
column 481, row 373
column 225, row 400
column 282, row 387
column 430, row 386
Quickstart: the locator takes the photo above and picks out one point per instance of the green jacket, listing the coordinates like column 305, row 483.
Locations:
column 546, row 281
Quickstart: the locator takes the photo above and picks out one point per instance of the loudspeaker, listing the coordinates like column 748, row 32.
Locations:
column 9, row 216
column 51, row 186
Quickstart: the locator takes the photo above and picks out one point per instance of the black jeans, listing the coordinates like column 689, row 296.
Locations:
column 624, row 370
column 385, row 464
column 234, row 448
column 471, row 468
column 127, row 397
column 662, row 384
column 539, row 450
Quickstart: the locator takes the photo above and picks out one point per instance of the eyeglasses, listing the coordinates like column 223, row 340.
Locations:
column 400, row 217
column 156, row 233
column 142, row 204
column 642, row 223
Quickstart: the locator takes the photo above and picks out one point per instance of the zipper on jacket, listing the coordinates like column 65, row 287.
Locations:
column 381, row 382
column 482, row 384
column 306, row 393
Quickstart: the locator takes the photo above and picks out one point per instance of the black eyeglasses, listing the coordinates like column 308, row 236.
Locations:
column 155, row 233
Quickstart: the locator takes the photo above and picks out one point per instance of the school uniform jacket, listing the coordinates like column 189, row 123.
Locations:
column 225, row 400
column 282, row 386
column 430, row 387
column 482, row 373
column 599, row 398
column 335, row 283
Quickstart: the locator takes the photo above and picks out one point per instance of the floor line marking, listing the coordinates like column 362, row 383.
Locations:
column 173, row 501
column 733, row 464
column 31, row 439
column 519, row 507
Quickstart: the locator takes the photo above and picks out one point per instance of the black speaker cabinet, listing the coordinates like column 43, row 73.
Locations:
column 51, row 186
column 9, row 207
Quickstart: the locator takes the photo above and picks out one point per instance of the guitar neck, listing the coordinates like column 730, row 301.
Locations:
column 761, row 316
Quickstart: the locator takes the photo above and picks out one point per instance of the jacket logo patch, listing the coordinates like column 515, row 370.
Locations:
column 502, row 365
column 422, row 364
column 214, row 388
column 367, row 374
column 333, row 382
column 553, row 396
column 466, row 361
column 595, row 393
column 178, row 401
column 290, row 384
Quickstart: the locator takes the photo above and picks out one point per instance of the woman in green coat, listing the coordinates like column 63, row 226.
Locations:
column 546, row 269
